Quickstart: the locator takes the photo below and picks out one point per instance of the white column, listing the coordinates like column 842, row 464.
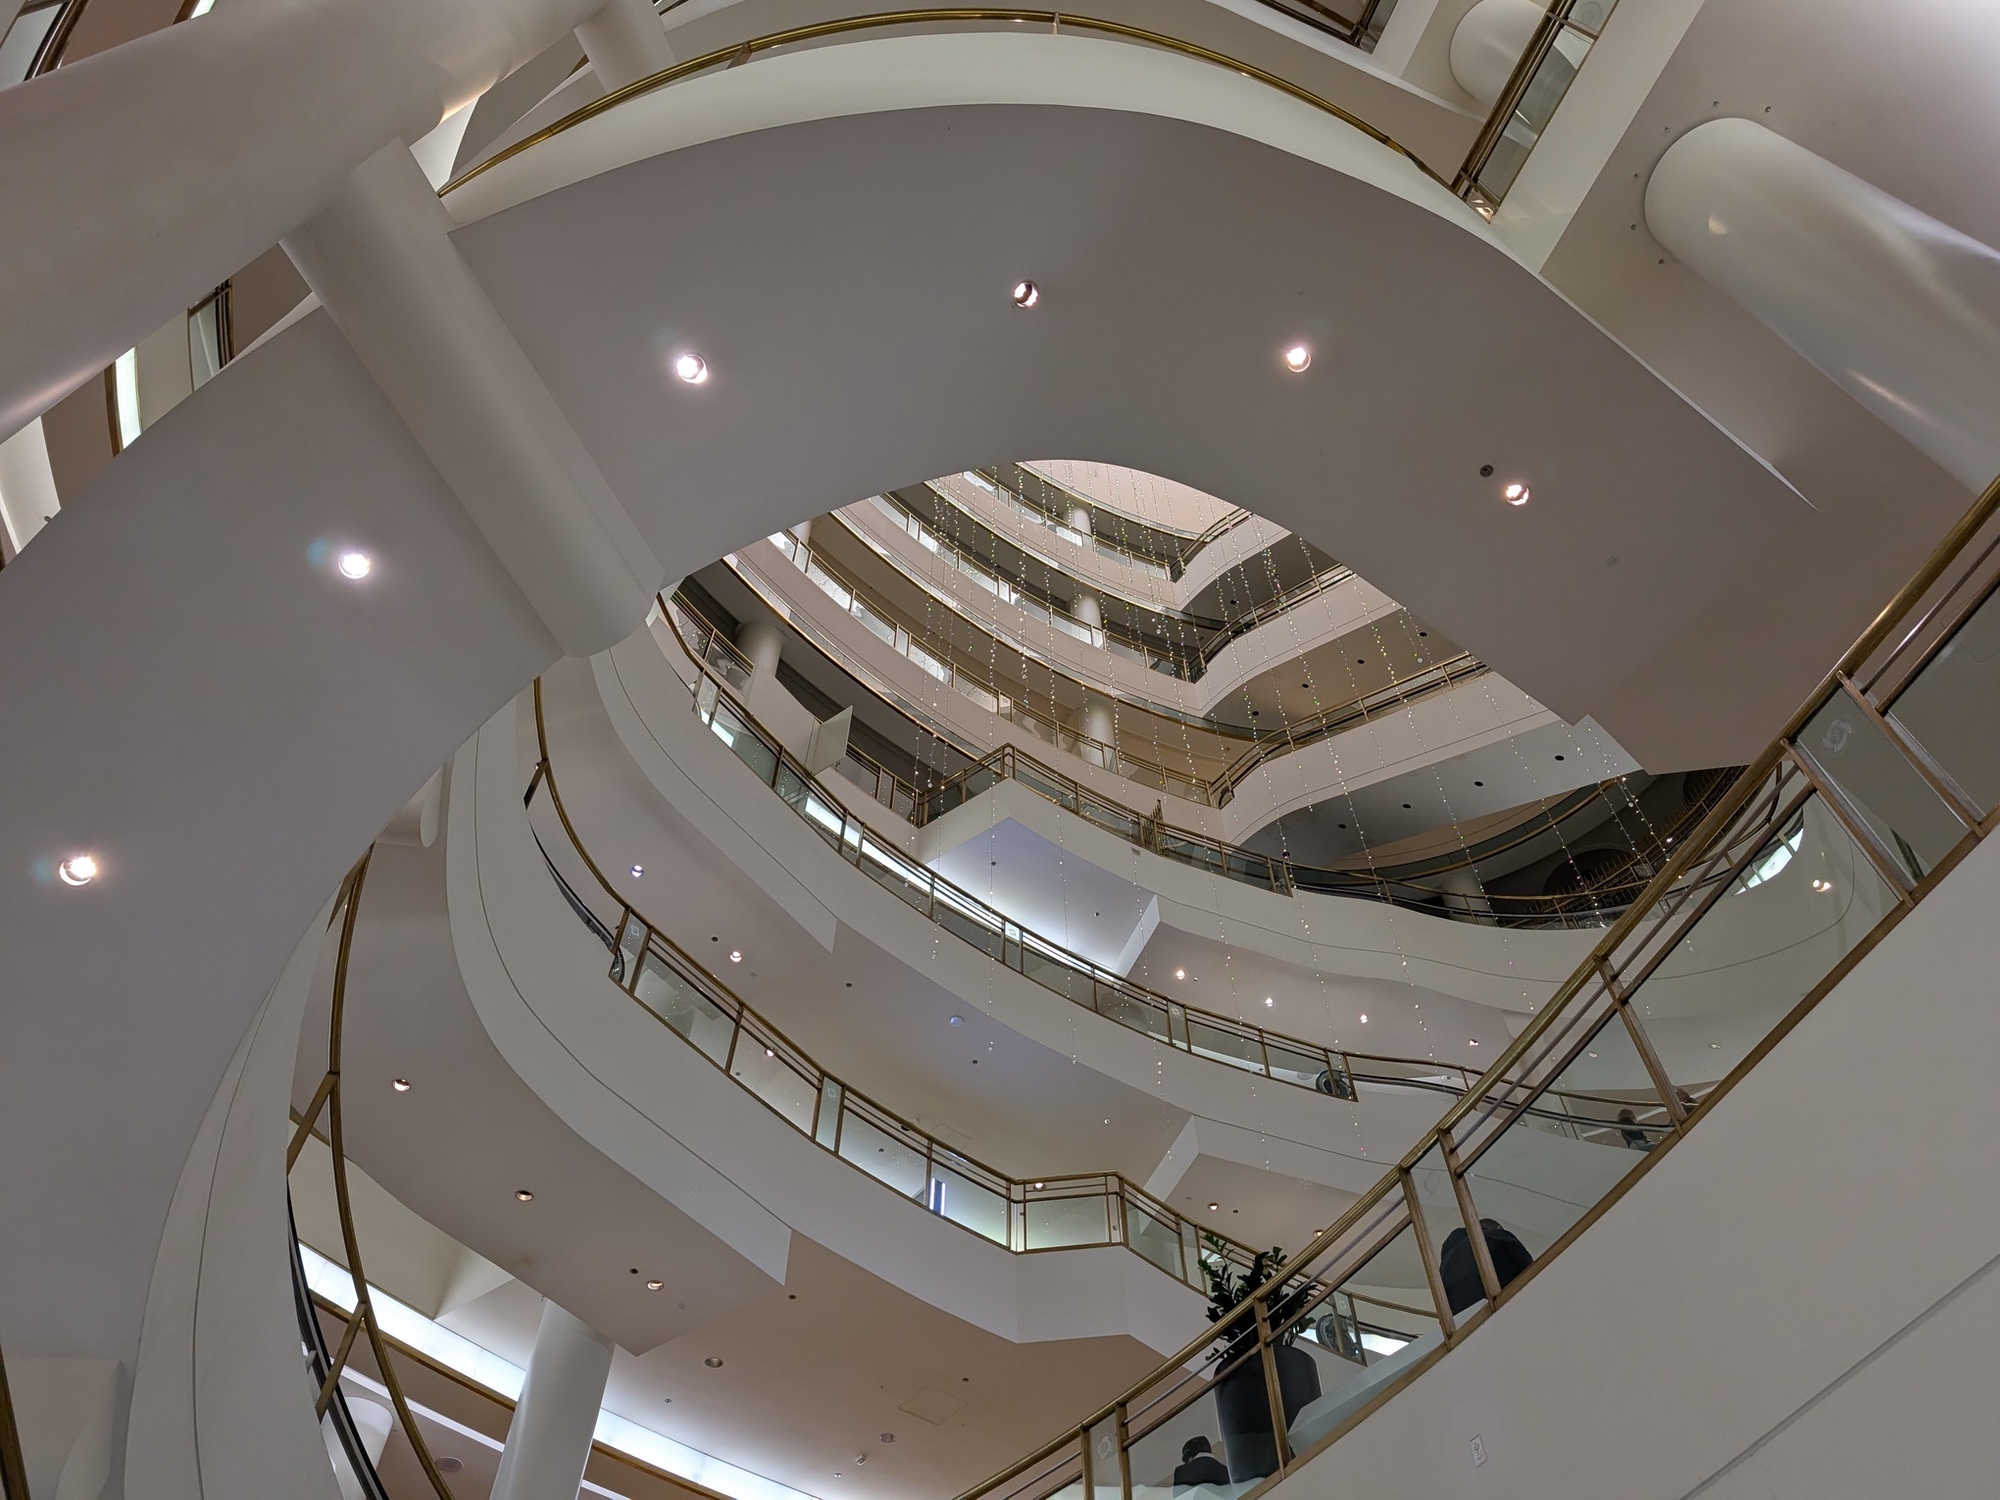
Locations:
column 1898, row 309
column 381, row 260
column 162, row 166
column 372, row 1421
column 761, row 641
column 1099, row 724
column 625, row 42
column 1079, row 519
column 548, row 1442
column 1086, row 608
column 27, row 488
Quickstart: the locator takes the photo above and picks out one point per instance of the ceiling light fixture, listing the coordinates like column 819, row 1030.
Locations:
column 1516, row 493
column 1364, row 1020
column 736, row 955
column 524, row 1195
column 1214, row 1207
column 1180, row 973
column 714, row 1361
column 1269, row 1001
column 637, row 871
column 1298, row 359
column 1822, row 885
column 1473, row 1043
column 400, row 1085
column 654, row 1286
column 1026, row 294
column 78, row 869
column 355, row 565
column 956, row 1021
column 691, row 368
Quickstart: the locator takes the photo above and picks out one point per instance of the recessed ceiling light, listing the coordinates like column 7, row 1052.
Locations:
column 957, row 1021
column 1213, row 1207
column 654, row 1286
column 1026, row 294
column 736, row 955
column 1516, row 493
column 1269, row 1001
column 1038, row 1184
column 1180, row 973
column 1717, row 1046
column 1593, row 1054
column 692, row 368
column 78, row 869
column 356, row 565
column 449, row 1464
column 1473, row 1043
column 524, row 1195
column 400, row 1085
column 1298, row 359
column 714, row 1361
column 637, row 871
column 1822, row 885
column 1364, row 1020
column 769, row 1053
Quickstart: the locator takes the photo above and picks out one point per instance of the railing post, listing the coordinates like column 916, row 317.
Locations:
column 1427, row 1253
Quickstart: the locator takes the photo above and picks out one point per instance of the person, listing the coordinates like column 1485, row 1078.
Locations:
column 1199, row 1465
column 1628, row 1127
column 1460, row 1272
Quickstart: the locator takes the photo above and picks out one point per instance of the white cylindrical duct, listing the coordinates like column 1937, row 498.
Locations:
column 1488, row 42
column 382, row 261
column 1898, row 309
column 761, row 641
column 165, row 165
column 625, row 42
column 548, row 1442
column 372, row 1421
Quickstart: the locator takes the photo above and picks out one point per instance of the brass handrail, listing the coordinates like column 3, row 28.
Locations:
column 742, row 51
column 327, row 1099
column 1598, row 995
column 1114, row 1187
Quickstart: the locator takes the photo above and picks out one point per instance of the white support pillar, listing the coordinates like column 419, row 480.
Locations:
column 1898, row 309
column 1079, row 519
column 372, row 1421
column 381, row 260
column 762, row 642
column 1086, row 608
column 220, row 136
column 548, row 1442
column 625, row 42
column 1098, row 723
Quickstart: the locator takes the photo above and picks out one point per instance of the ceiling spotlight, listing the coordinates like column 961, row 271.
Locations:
column 1180, row 973
column 1026, row 294
column 956, row 1021
column 1473, row 1043
column 1515, row 493
column 1214, row 1207
column 1364, row 1020
column 1298, row 358
column 1038, row 1184
column 654, row 1286
column 1269, row 1001
column 637, row 871
column 692, row 368
column 400, row 1085
column 356, row 565
column 78, row 869
column 450, row 1464
column 736, row 955
column 1715, row 1046
column 524, row 1195
column 1822, row 885
column 714, row 1361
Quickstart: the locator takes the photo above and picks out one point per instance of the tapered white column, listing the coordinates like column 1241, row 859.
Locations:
column 160, row 167
column 548, row 1442
column 1079, row 519
column 1900, row 310
column 372, row 1421
column 381, row 259
column 625, row 42
column 1085, row 608
column 762, row 642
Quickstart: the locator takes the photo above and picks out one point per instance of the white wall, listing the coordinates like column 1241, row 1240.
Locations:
column 1797, row 1300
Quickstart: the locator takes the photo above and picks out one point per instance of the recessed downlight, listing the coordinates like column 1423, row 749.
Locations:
column 524, row 1195
column 1269, row 1001
column 400, row 1085
column 1298, row 359
column 654, row 1285
column 355, row 565
column 1822, row 885
column 736, row 955
column 1214, row 1208
column 1026, row 294
column 1516, row 493
column 1180, row 973
column 1364, row 1020
column 1473, row 1043
column 637, row 871
column 714, row 1361
column 956, row 1021
column 78, row 869
column 691, row 368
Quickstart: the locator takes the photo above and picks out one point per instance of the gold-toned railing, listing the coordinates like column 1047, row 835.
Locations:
column 1878, row 786
column 1024, row 1215
column 326, row 1366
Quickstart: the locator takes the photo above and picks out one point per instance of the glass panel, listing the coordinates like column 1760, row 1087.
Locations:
column 629, row 948
column 1055, row 1222
column 890, row 870
column 1182, row 1452
column 1463, row 1290
column 773, row 1077
column 685, row 1008
column 1760, row 949
column 1205, row 1040
column 828, row 1132
column 965, row 1201
column 1154, row 1238
column 1952, row 707
column 738, row 736
column 204, row 340
column 24, row 38
column 1884, row 788
column 1297, row 1066
column 1130, row 1010
column 1378, row 1325
column 1053, row 972
column 882, row 1156
column 959, row 916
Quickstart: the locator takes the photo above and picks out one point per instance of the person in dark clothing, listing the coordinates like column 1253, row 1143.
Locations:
column 1460, row 1272
column 1199, row 1465
column 1628, row 1127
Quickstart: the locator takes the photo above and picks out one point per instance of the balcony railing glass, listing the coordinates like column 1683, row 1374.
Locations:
column 1879, row 785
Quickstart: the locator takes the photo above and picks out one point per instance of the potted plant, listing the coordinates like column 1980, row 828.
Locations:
column 1242, row 1402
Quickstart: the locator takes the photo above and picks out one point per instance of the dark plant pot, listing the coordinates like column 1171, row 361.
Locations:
column 1244, row 1410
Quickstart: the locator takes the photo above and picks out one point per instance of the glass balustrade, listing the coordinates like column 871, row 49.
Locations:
column 1879, row 785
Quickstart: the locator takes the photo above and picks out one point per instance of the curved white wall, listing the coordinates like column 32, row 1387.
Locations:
column 1488, row 42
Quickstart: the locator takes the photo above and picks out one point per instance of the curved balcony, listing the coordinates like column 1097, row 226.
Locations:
column 1878, row 787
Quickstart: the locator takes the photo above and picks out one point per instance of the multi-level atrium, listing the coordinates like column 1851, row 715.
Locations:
column 611, row 887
